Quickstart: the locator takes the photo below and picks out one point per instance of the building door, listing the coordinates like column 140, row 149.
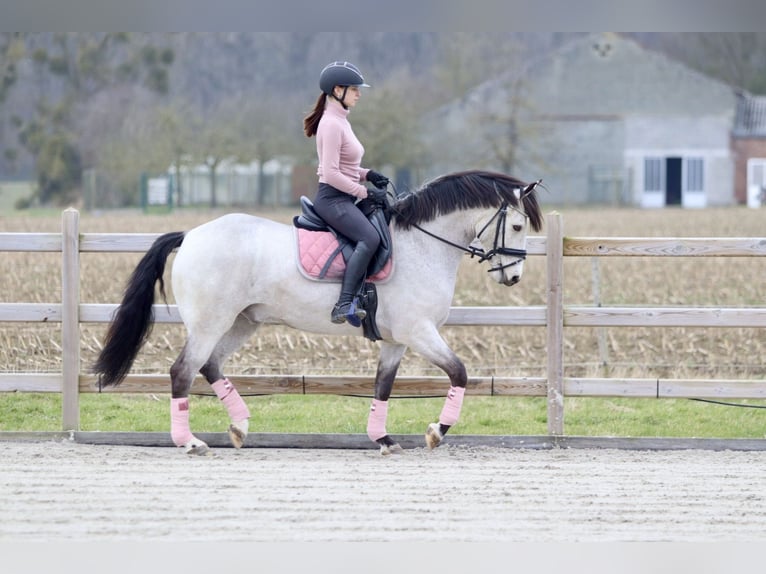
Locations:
column 673, row 177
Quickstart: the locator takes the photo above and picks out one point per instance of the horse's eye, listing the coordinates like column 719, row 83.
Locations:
column 517, row 228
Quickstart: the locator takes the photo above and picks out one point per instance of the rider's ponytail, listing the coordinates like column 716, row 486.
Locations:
column 311, row 121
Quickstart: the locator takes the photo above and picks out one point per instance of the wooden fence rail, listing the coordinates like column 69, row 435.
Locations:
column 553, row 316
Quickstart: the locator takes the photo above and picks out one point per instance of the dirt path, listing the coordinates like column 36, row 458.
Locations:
column 63, row 490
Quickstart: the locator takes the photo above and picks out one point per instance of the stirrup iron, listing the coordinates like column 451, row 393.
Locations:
column 348, row 311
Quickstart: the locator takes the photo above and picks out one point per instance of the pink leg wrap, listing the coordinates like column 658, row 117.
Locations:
column 376, row 422
column 179, row 421
column 451, row 411
column 229, row 396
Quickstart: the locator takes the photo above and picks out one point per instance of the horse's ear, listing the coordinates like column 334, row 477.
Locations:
column 530, row 188
column 517, row 193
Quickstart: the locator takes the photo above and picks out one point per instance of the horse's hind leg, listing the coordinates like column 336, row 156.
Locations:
column 182, row 373
column 239, row 414
column 388, row 364
column 201, row 344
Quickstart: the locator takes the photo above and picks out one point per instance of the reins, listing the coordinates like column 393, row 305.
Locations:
column 479, row 252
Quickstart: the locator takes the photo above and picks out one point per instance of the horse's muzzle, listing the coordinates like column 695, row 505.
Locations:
column 512, row 280
column 504, row 277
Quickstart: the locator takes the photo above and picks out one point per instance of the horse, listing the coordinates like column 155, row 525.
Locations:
column 237, row 272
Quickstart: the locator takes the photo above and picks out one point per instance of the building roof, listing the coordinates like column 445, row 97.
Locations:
column 605, row 75
column 750, row 119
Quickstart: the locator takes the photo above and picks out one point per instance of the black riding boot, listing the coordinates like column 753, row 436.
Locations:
column 356, row 271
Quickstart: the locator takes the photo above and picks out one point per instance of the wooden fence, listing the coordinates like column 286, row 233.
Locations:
column 554, row 316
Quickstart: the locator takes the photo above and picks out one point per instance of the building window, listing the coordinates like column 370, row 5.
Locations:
column 695, row 174
column 652, row 174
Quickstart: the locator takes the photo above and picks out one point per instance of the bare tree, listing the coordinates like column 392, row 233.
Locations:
column 737, row 58
column 122, row 134
column 269, row 128
column 388, row 122
column 215, row 139
column 176, row 140
column 12, row 50
column 83, row 65
column 494, row 121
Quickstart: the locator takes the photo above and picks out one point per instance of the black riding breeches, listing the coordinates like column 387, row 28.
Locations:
column 340, row 212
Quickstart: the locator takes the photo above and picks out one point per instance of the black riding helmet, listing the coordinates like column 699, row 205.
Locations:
column 340, row 74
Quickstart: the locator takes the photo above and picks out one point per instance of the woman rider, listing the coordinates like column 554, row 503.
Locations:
column 340, row 175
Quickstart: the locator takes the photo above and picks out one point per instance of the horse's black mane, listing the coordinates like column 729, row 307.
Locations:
column 465, row 190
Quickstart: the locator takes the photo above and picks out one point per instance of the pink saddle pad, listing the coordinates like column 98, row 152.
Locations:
column 314, row 250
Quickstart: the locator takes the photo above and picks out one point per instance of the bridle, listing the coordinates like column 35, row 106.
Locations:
column 498, row 245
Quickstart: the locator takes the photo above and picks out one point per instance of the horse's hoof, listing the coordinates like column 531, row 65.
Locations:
column 197, row 447
column 238, row 433
column 433, row 435
column 386, row 449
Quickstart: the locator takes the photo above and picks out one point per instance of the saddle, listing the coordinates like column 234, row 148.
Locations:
column 319, row 246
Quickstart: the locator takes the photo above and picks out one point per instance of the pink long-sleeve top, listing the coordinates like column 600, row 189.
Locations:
column 340, row 153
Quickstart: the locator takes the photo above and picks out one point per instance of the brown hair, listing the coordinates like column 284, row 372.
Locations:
column 311, row 121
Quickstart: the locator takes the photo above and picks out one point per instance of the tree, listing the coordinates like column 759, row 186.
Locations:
column 510, row 128
column 462, row 66
column 268, row 129
column 737, row 58
column 11, row 51
column 469, row 59
column 81, row 65
column 493, row 122
column 123, row 133
column 387, row 122
column 175, row 135
column 59, row 164
column 215, row 140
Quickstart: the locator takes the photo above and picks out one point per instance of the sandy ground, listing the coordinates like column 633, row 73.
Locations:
column 61, row 490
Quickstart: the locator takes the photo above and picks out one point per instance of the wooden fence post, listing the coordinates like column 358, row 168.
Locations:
column 70, row 318
column 555, row 322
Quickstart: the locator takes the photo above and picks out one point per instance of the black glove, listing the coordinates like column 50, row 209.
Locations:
column 377, row 179
column 377, row 195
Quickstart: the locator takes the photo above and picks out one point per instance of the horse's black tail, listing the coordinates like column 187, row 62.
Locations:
column 134, row 318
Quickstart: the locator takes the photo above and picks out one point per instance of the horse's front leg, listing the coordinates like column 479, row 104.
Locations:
column 452, row 404
column 429, row 343
column 388, row 364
